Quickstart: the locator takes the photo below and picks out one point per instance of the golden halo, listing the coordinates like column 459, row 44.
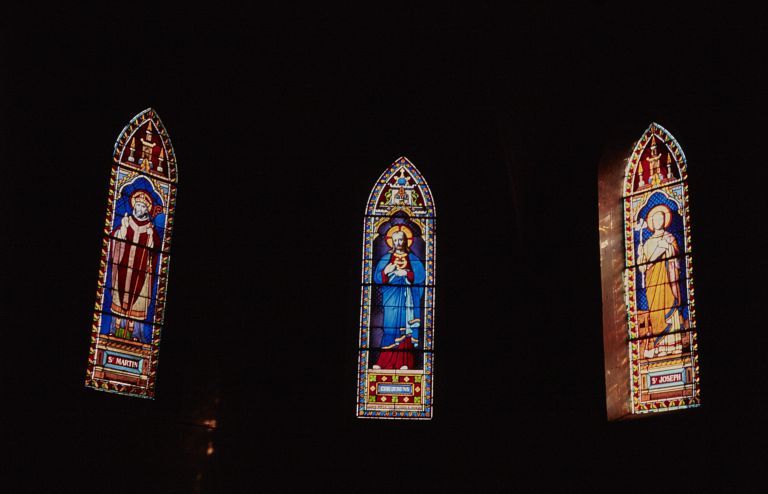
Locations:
column 141, row 196
column 661, row 208
column 399, row 228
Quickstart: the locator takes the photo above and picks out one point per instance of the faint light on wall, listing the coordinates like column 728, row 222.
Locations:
column 210, row 423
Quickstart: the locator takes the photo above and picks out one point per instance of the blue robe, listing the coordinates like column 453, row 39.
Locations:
column 401, row 298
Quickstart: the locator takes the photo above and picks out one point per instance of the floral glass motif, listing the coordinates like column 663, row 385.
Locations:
column 658, row 280
column 133, row 272
column 395, row 362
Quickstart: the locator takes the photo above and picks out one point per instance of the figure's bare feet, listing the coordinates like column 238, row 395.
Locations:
column 405, row 367
column 376, row 367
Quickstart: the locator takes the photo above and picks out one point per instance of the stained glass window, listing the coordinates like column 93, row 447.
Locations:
column 658, row 276
column 395, row 361
column 133, row 272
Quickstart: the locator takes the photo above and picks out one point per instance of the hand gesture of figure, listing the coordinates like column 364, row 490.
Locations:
column 124, row 224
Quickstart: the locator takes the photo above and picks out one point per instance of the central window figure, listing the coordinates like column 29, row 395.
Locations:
column 400, row 274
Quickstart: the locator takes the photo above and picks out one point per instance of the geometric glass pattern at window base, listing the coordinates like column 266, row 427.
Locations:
column 396, row 340
column 133, row 272
column 658, row 276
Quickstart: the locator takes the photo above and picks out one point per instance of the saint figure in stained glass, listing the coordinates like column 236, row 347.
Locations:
column 400, row 276
column 660, row 280
column 133, row 264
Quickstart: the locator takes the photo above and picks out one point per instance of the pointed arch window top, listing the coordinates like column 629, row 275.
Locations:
column 656, row 160
column 402, row 187
column 144, row 145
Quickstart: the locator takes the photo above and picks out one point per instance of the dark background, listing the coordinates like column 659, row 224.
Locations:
column 281, row 122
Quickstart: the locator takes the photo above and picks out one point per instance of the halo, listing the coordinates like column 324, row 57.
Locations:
column 143, row 196
column 399, row 228
column 661, row 208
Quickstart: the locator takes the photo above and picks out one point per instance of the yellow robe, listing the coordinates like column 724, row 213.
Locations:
column 662, row 282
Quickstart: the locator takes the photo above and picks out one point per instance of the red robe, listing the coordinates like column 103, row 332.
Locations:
column 133, row 262
column 398, row 357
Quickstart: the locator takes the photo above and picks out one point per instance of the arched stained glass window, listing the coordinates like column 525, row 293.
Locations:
column 660, row 321
column 398, row 298
column 133, row 273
